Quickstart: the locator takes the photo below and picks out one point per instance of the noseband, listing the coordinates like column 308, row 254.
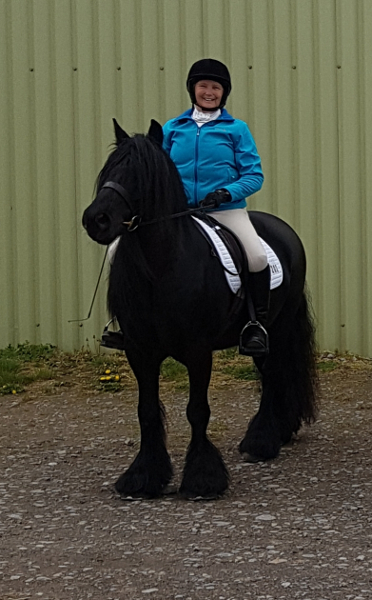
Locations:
column 136, row 220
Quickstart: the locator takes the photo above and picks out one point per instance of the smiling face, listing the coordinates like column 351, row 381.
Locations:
column 208, row 94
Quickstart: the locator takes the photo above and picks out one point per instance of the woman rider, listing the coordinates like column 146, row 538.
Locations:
column 218, row 162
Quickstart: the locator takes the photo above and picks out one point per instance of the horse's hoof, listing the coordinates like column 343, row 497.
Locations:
column 206, row 498
column 167, row 490
column 135, row 498
column 128, row 492
column 251, row 458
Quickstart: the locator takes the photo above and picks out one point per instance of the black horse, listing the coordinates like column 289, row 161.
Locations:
column 170, row 296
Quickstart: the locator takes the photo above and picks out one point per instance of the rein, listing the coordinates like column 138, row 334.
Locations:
column 136, row 220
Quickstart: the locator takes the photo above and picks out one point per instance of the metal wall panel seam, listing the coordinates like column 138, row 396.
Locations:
column 22, row 80
column 174, row 62
column 367, row 67
column 68, row 218
column 195, row 36
column 295, row 209
column 350, row 174
column 303, row 199
column 338, row 109
column 260, row 76
column 239, row 102
column 7, row 178
column 88, row 151
column 43, row 119
column 329, row 308
column 363, row 169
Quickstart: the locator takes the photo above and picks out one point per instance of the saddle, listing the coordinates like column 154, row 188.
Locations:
column 227, row 247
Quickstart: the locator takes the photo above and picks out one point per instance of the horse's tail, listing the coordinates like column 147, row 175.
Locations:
column 298, row 364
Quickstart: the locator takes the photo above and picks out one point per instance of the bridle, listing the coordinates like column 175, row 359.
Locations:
column 136, row 220
column 132, row 225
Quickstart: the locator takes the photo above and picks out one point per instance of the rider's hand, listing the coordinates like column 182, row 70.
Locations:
column 214, row 199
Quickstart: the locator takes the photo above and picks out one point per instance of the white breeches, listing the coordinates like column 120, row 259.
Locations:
column 237, row 219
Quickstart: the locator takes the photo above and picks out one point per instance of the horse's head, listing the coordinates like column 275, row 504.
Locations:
column 127, row 184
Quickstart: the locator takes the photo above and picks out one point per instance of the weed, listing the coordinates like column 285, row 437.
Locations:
column 172, row 370
column 242, row 372
column 28, row 352
column 326, row 366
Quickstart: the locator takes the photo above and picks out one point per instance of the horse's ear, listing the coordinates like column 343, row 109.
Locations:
column 120, row 134
column 156, row 132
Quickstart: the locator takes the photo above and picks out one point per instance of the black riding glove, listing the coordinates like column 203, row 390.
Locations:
column 214, row 199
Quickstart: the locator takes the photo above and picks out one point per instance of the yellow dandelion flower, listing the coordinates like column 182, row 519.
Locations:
column 117, row 377
column 14, row 391
column 107, row 371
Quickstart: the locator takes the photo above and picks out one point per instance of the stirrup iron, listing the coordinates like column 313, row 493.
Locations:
column 112, row 339
column 260, row 347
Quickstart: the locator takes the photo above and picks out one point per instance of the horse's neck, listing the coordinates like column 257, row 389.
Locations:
column 164, row 245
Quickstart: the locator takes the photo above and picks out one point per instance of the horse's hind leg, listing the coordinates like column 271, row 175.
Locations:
column 151, row 470
column 205, row 474
column 288, row 386
column 264, row 434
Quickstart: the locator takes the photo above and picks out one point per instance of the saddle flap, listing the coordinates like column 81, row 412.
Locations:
column 229, row 250
column 226, row 249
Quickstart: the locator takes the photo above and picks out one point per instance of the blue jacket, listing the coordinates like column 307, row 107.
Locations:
column 220, row 154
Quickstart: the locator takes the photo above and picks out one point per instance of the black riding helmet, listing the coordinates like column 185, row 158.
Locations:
column 208, row 68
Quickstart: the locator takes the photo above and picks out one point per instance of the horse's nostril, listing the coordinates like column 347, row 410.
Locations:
column 102, row 221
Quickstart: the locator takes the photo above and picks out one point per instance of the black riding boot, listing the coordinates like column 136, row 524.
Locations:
column 112, row 339
column 254, row 340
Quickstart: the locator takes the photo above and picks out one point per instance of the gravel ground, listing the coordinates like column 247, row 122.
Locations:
column 296, row 527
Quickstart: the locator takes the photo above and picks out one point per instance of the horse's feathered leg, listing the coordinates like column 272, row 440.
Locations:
column 288, row 385
column 263, row 438
column 151, row 470
column 205, row 474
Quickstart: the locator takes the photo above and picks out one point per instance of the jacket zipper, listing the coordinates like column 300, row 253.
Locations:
column 196, row 165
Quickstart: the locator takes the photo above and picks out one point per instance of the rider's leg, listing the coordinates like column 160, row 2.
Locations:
column 253, row 338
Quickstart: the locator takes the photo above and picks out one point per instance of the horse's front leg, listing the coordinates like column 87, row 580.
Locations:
column 205, row 474
column 151, row 470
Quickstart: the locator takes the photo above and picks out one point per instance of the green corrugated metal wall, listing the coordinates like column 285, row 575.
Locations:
column 302, row 78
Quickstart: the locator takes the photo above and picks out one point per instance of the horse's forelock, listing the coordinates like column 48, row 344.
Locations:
column 157, row 180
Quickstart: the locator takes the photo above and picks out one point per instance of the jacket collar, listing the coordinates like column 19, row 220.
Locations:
column 187, row 115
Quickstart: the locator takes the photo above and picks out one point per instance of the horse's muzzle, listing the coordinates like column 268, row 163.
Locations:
column 99, row 226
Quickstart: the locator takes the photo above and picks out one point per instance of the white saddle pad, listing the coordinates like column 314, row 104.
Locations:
column 231, row 274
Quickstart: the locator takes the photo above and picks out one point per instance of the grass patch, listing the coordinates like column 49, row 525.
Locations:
column 174, row 372
column 326, row 366
column 28, row 352
column 10, row 380
column 242, row 372
column 20, row 366
column 43, row 369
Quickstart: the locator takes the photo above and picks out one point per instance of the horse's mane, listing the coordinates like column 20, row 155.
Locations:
column 159, row 189
column 156, row 191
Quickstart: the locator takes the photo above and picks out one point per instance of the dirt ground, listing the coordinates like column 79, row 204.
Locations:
column 297, row 527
